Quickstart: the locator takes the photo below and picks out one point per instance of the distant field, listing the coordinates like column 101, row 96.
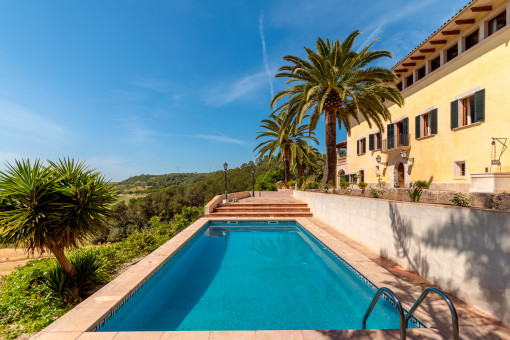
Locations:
column 126, row 198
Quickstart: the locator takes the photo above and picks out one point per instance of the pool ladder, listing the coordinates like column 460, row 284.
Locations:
column 404, row 320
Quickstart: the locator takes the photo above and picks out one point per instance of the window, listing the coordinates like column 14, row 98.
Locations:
column 434, row 64
column 459, row 169
column 409, row 80
column 361, row 176
column 351, row 178
column 426, row 124
column 361, row 146
column 452, row 52
column 421, row 73
column 471, row 40
column 468, row 110
column 399, row 86
column 374, row 141
column 397, row 134
column 497, row 23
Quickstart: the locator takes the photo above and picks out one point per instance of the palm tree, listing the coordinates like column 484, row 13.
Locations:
column 336, row 81
column 283, row 139
column 55, row 207
column 301, row 158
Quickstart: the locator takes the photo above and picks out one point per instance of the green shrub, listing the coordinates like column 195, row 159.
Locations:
column 187, row 216
column 343, row 183
column 86, row 263
column 422, row 184
column 58, row 282
column 27, row 304
column 415, row 194
column 267, row 181
column 461, row 200
column 374, row 193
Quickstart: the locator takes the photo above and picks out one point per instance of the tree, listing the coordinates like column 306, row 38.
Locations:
column 283, row 138
column 301, row 158
column 56, row 207
column 336, row 81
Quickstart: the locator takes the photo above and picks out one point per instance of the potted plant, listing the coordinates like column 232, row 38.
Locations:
column 362, row 185
column 422, row 184
column 292, row 184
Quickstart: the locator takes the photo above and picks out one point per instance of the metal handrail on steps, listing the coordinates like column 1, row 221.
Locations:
column 399, row 308
column 455, row 319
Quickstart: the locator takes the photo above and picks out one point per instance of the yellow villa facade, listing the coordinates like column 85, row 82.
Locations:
column 454, row 124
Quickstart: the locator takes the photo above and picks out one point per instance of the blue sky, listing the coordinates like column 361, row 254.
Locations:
column 155, row 87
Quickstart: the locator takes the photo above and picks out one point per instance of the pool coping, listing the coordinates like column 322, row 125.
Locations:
column 81, row 321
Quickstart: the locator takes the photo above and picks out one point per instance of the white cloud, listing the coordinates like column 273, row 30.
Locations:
column 377, row 27
column 264, row 53
column 18, row 123
column 154, row 84
column 243, row 88
column 222, row 139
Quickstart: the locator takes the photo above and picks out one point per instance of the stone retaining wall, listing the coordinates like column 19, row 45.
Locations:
column 479, row 200
column 464, row 251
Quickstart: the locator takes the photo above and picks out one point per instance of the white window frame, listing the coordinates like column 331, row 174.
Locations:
column 457, row 169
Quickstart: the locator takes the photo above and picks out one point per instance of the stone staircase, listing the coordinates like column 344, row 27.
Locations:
column 257, row 210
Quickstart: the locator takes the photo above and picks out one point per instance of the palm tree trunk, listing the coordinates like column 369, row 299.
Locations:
column 300, row 175
column 329, row 172
column 66, row 264
column 286, row 164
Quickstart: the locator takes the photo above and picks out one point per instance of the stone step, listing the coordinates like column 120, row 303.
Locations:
column 261, row 209
column 260, row 214
column 303, row 205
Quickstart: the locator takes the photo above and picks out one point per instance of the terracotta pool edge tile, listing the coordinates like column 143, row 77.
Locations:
column 186, row 335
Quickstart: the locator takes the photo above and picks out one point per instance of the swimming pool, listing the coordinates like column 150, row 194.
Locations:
column 253, row 276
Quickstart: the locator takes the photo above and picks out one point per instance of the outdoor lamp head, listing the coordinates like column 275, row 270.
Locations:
column 378, row 159
column 225, row 166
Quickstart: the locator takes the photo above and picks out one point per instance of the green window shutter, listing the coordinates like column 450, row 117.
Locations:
column 433, row 122
column 454, row 114
column 390, row 136
column 417, row 127
column 364, row 144
column 480, row 105
column 405, row 132
column 371, row 142
column 357, row 145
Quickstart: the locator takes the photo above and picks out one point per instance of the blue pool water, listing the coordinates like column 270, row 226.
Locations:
column 252, row 276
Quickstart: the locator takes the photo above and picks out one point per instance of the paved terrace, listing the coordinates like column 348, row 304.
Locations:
column 474, row 324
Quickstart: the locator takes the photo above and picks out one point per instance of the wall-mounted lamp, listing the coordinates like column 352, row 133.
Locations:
column 403, row 154
column 378, row 160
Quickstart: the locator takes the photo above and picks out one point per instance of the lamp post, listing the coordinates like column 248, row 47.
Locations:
column 253, row 182
column 225, row 166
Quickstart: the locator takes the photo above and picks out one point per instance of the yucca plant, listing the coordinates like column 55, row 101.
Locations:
column 338, row 82
column 86, row 265
column 56, row 207
column 415, row 194
column 59, row 282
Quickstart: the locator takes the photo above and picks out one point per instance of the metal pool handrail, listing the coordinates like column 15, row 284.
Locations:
column 399, row 308
column 453, row 312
